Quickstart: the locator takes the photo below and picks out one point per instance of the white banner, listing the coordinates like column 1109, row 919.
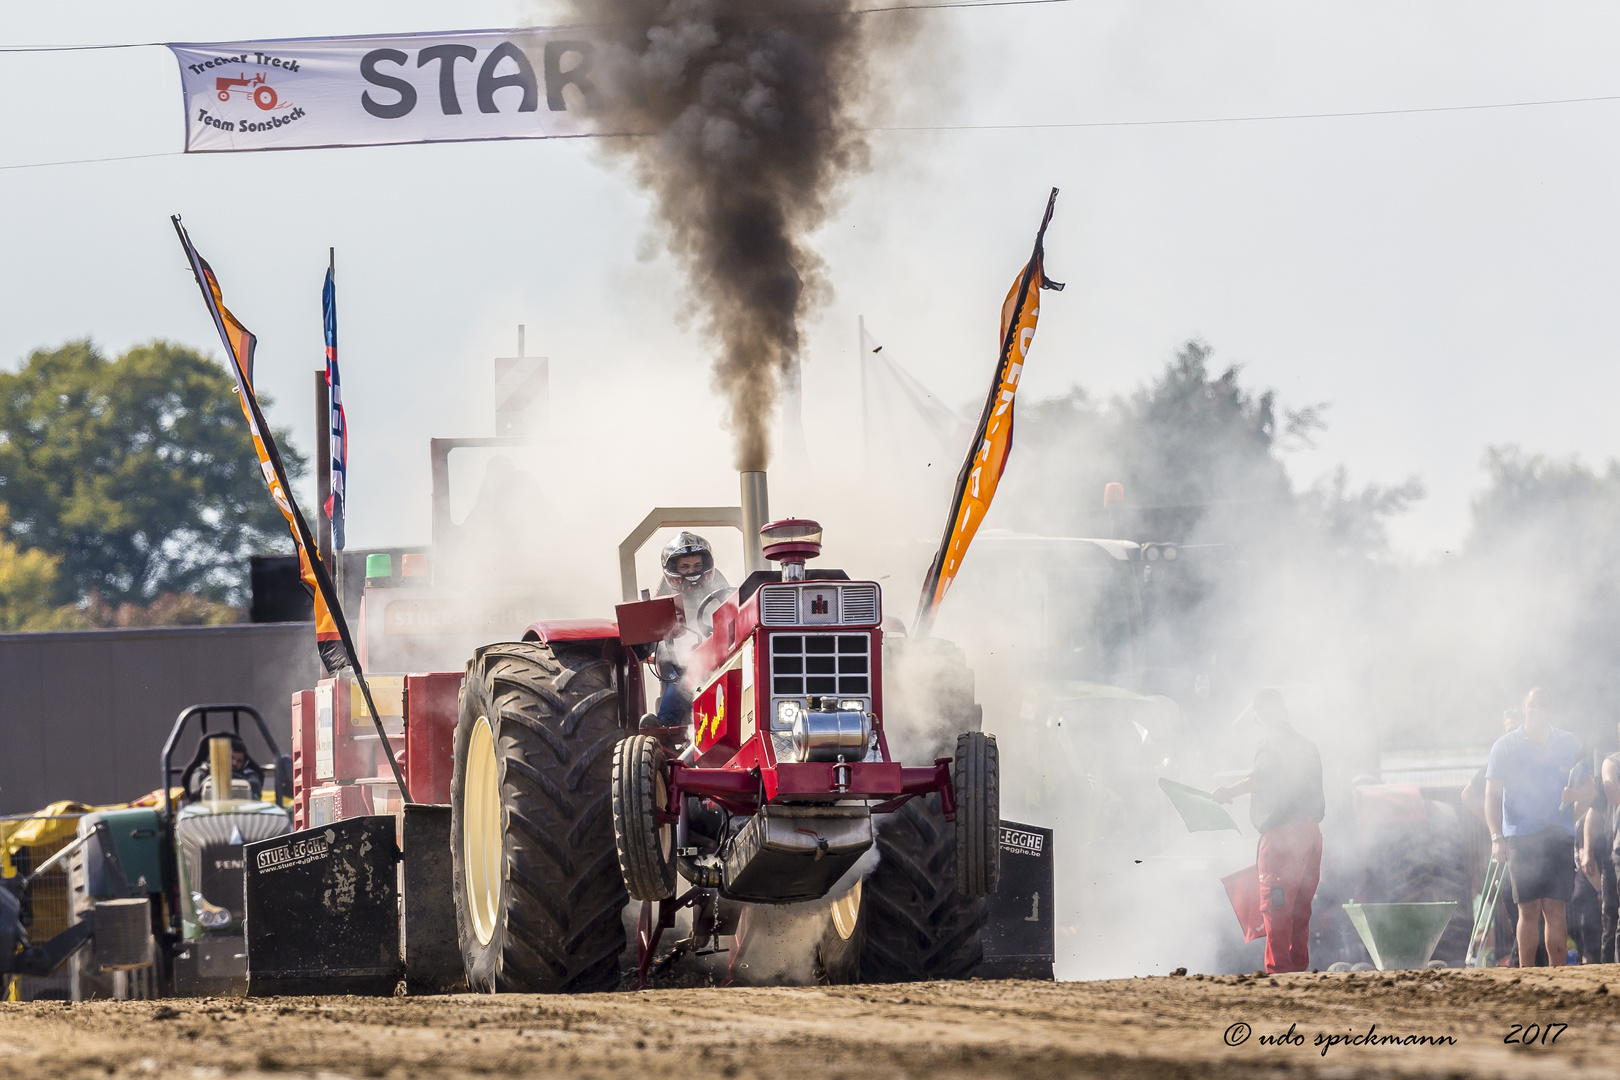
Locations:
column 368, row 91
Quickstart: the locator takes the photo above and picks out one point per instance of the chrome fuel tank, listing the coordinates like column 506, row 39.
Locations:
column 828, row 736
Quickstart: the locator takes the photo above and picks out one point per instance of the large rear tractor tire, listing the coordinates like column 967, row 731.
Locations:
column 538, row 892
column 976, row 781
column 645, row 845
column 918, row 926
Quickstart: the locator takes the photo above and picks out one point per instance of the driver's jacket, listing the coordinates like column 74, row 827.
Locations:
column 673, row 651
column 698, row 617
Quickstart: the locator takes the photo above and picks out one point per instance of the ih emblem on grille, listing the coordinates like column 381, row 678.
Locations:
column 819, row 605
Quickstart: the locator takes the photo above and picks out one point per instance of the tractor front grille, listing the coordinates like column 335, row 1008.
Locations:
column 779, row 607
column 819, row 603
column 211, row 846
column 803, row 664
column 860, row 603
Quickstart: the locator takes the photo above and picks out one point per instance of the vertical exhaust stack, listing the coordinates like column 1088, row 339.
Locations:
column 219, row 767
column 755, row 513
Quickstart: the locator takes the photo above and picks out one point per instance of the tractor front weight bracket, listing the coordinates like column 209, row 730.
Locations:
column 947, row 793
column 650, row 929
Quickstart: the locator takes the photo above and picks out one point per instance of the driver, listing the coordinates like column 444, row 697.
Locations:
column 690, row 575
column 242, row 768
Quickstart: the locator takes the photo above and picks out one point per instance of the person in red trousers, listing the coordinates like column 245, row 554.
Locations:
column 1286, row 805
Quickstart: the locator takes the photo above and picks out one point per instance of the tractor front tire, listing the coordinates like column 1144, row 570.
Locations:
column 538, row 892
column 976, row 781
column 645, row 845
column 918, row 926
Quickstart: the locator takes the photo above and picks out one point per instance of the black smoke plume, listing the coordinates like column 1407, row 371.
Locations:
column 746, row 109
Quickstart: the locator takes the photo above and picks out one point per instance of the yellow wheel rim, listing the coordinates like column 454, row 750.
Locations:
column 846, row 912
column 666, row 832
column 481, row 834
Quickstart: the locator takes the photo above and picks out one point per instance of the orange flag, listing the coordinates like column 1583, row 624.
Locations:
column 992, row 439
column 240, row 343
column 331, row 631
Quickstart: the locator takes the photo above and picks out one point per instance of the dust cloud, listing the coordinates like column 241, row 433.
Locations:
column 1101, row 672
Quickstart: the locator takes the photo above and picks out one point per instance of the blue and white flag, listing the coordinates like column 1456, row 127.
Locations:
column 337, row 421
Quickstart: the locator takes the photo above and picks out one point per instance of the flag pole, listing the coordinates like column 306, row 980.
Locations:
column 323, row 580
column 323, row 465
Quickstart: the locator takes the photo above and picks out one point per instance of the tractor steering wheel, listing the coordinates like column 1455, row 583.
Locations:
column 708, row 605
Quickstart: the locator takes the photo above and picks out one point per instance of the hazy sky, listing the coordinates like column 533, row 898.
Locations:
column 1443, row 279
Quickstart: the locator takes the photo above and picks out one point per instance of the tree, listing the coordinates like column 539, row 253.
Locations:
column 27, row 585
column 1201, row 459
column 1540, row 580
column 1536, row 506
column 138, row 473
column 1275, row 581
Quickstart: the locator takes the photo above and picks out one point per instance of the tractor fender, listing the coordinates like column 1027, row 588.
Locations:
column 547, row 631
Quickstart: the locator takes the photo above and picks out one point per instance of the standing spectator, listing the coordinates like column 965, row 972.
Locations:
column 1531, row 808
column 1505, row 916
column 1585, row 908
column 1600, row 853
column 1287, row 806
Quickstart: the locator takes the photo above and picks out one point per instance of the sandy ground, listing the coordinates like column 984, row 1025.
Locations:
column 1137, row 1028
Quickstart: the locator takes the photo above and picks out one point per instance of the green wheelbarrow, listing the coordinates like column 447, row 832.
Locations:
column 1400, row 937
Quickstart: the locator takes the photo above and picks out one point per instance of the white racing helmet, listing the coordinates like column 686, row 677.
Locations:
column 683, row 545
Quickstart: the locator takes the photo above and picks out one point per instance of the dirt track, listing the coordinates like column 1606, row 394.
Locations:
column 1140, row 1028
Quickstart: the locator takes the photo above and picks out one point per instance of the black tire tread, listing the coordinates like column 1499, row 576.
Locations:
column 555, row 722
column 917, row 925
column 648, row 873
column 976, row 780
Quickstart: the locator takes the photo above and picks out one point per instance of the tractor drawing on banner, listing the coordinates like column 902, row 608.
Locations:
column 263, row 94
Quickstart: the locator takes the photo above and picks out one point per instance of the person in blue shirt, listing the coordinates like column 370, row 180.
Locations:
column 1532, row 801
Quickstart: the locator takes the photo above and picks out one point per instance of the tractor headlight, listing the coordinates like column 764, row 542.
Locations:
column 786, row 713
column 852, row 705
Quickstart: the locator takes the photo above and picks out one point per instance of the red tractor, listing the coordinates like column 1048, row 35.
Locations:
column 264, row 95
column 564, row 797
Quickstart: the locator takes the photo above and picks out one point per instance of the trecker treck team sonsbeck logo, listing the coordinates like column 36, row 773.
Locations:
column 245, row 96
